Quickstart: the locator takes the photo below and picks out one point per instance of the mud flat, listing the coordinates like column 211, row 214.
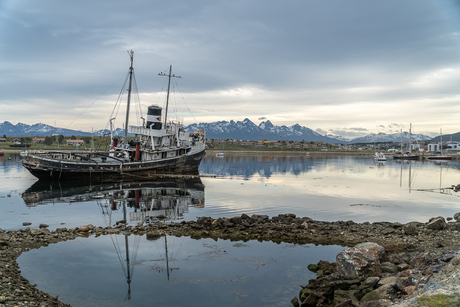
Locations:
column 395, row 263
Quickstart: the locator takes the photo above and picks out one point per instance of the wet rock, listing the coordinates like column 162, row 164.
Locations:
column 295, row 302
column 457, row 216
column 44, row 226
column 436, row 223
column 26, row 224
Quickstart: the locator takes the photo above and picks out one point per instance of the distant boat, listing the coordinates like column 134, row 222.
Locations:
column 380, row 156
column 219, row 154
column 405, row 156
column 23, row 153
column 1, row 153
column 402, row 155
column 439, row 155
column 20, row 145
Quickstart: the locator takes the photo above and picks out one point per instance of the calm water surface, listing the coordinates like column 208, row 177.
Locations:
column 88, row 271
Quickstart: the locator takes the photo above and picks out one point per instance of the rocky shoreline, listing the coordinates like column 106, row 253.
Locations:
column 401, row 260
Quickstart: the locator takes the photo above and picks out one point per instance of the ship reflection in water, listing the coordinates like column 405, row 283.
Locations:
column 144, row 201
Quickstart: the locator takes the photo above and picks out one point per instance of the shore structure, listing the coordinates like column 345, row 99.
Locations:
column 159, row 147
column 401, row 260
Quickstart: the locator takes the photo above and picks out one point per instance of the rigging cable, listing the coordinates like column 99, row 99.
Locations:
column 92, row 103
column 184, row 101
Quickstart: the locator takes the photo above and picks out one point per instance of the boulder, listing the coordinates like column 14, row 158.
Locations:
column 356, row 262
column 457, row 216
column 437, row 223
column 84, row 229
column 372, row 246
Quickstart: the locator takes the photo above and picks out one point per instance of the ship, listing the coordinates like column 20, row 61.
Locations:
column 158, row 148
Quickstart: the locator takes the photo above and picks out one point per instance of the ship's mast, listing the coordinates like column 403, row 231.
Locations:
column 131, row 69
column 169, row 85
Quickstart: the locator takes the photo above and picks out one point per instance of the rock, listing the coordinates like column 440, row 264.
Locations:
column 295, row 302
column 457, row 216
column 410, row 229
column 313, row 267
column 388, row 267
column 371, row 245
column 311, row 300
column 35, row 232
column 371, row 296
column 44, row 226
column 371, row 281
column 437, row 223
column 26, row 224
column 2, row 299
column 403, row 266
column 387, row 291
column 379, row 303
column 357, row 262
column 412, row 242
column 409, row 289
column 433, row 285
column 84, row 229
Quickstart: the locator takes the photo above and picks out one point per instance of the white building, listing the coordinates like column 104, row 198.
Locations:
column 453, row 146
column 434, row 147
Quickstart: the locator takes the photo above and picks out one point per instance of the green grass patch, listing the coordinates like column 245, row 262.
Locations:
column 440, row 300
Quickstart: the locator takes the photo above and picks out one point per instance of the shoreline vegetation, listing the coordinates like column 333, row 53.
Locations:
column 401, row 264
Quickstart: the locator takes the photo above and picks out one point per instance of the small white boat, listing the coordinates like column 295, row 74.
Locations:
column 219, row 154
column 23, row 153
column 380, row 156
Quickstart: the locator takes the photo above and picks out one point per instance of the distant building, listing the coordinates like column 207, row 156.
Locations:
column 38, row 140
column 433, row 147
column 75, row 142
column 2, row 140
column 452, row 146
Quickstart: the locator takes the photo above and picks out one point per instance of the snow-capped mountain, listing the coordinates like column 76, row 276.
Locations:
column 40, row 129
column 395, row 137
column 247, row 130
column 240, row 130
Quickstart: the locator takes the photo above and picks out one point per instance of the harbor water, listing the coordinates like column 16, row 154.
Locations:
column 119, row 270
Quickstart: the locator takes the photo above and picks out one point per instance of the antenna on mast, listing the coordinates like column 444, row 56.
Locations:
column 170, row 75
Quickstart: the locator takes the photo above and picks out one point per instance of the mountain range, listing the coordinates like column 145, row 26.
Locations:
column 240, row 130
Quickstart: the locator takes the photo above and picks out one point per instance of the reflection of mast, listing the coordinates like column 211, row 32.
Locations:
column 167, row 259
column 128, row 272
column 410, row 176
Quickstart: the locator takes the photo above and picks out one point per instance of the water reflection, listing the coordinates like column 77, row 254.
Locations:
column 249, row 165
column 172, row 271
column 144, row 200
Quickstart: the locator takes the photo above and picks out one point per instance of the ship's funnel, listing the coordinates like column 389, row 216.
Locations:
column 154, row 117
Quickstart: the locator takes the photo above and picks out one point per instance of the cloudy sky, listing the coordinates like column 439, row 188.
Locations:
column 345, row 67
